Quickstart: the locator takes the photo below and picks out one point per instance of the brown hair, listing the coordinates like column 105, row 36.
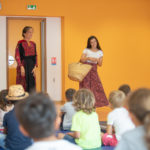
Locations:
column 89, row 44
column 125, row 88
column 84, row 100
column 3, row 101
column 69, row 94
column 25, row 29
column 116, row 98
column 139, row 105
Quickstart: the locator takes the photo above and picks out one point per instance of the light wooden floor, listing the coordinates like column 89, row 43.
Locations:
column 101, row 111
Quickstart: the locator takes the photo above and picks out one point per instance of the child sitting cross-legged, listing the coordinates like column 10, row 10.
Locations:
column 37, row 118
column 85, row 124
column 14, row 139
column 138, row 105
column 68, row 110
column 118, row 120
column 5, row 105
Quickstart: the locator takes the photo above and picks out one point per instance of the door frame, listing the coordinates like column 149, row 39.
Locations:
column 45, row 59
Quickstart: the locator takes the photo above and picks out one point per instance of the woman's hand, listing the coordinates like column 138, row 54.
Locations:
column 84, row 58
column 22, row 71
column 93, row 59
column 34, row 71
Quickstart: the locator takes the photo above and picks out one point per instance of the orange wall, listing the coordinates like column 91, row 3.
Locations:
column 122, row 27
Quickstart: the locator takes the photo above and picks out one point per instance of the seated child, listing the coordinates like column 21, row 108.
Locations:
column 68, row 110
column 15, row 140
column 5, row 106
column 125, row 88
column 37, row 118
column 118, row 119
column 85, row 124
column 139, row 110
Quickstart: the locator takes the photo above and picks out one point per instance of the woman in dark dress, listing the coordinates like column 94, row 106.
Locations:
column 93, row 55
column 26, row 57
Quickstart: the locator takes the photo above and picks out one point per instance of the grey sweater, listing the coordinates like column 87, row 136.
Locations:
column 133, row 140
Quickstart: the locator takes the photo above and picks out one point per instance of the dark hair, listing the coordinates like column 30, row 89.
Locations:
column 3, row 101
column 89, row 44
column 69, row 94
column 37, row 115
column 25, row 29
column 125, row 88
column 139, row 105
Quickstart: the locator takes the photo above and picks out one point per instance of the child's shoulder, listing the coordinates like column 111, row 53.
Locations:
column 117, row 112
column 82, row 113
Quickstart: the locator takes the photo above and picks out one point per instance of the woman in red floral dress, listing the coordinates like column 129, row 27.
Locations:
column 93, row 55
column 26, row 57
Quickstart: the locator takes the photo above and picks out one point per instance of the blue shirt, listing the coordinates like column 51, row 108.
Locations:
column 15, row 140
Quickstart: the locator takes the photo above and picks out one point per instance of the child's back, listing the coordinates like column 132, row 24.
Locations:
column 89, row 128
column 120, row 120
column 69, row 111
column 53, row 145
column 85, row 124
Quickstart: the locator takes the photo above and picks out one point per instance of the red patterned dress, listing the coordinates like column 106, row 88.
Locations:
column 93, row 82
column 26, row 56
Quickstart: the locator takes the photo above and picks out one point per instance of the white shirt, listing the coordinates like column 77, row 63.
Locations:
column 69, row 111
column 90, row 53
column 53, row 145
column 120, row 120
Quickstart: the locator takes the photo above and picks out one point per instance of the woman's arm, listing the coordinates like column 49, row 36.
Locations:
column 75, row 134
column 18, row 59
column 100, row 61
column 84, row 58
column 17, row 55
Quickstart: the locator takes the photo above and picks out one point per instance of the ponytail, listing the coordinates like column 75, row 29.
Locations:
column 147, row 129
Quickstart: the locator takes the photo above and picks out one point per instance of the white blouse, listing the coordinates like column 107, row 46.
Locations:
column 90, row 53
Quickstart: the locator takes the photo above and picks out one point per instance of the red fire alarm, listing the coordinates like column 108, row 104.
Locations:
column 53, row 60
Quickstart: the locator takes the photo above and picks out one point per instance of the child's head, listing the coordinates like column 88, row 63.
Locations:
column 125, row 88
column 139, row 103
column 36, row 116
column 84, row 100
column 3, row 101
column 116, row 99
column 139, row 108
column 69, row 94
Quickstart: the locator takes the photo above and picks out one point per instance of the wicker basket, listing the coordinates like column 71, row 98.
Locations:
column 77, row 71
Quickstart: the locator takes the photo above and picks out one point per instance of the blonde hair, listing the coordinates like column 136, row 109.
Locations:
column 84, row 100
column 116, row 98
column 139, row 105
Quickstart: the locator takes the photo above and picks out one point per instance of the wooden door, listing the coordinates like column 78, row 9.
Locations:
column 14, row 34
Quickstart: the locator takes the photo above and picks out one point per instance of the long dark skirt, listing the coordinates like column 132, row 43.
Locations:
column 93, row 82
column 27, row 81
